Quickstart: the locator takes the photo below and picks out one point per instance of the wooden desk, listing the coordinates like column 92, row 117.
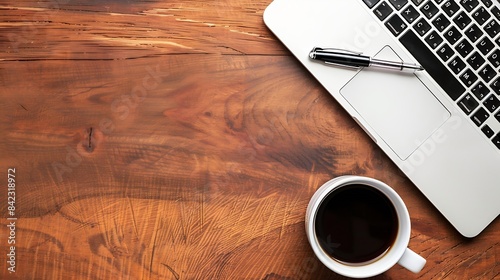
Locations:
column 180, row 140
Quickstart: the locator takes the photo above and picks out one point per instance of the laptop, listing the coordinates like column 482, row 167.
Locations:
column 440, row 126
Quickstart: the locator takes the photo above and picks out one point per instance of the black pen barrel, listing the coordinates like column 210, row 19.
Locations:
column 353, row 60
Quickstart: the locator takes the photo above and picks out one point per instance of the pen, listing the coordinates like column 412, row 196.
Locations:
column 350, row 59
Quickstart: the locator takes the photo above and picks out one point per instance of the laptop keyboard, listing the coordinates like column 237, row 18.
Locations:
column 458, row 44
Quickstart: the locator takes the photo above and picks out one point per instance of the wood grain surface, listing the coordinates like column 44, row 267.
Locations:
column 179, row 140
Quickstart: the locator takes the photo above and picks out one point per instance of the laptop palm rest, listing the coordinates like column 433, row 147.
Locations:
column 397, row 106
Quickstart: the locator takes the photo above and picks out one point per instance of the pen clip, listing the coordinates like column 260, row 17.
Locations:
column 336, row 50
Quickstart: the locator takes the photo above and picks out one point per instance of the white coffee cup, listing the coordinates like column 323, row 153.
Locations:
column 398, row 252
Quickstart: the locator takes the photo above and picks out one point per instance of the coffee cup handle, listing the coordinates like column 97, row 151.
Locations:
column 412, row 261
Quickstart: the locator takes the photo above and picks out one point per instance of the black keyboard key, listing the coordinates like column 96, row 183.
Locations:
column 371, row 3
column 462, row 20
column 481, row 15
column 468, row 78
column 480, row 90
column 452, row 35
column 492, row 28
column 468, row 104
column 396, row 25
column 487, row 131
column 485, row 45
column 491, row 103
column 429, row 9
column 445, row 52
column 469, row 5
column 487, row 73
column 457, row 65
column 480, row 116
column 487, row 3
column 417, row 2
column 398, row 4
column 496, row 12
column 422, row 27
column 450, row 7
column 475, row 60
column 474, row 33
column 494, row 58
column 432, row 65
column 410, row 14
column 497, row 116
column 441, row 22
column 495, row 86
column 383, row 11
column 496, row 140
column 464, row 48
column 434, row 40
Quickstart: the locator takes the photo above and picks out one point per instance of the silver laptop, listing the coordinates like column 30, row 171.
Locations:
column 440, row 126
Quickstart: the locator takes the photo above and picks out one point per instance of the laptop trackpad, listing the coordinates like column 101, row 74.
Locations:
column 398, row 106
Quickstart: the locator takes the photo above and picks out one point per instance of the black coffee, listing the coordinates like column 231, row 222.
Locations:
column 356, row 223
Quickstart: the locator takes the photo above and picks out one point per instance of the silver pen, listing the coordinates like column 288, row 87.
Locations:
column 350, row 59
